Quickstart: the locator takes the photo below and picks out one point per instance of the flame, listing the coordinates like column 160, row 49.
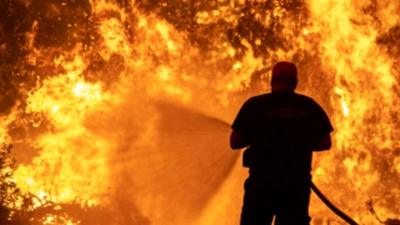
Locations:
column 63, row 102
column 364, row 82
column 90, row 101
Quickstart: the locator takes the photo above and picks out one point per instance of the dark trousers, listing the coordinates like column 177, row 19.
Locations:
column 264, row 200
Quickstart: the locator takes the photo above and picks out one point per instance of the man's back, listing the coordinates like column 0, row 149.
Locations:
column 281, row 128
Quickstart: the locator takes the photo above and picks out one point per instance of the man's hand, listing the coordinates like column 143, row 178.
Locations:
column 238, row 140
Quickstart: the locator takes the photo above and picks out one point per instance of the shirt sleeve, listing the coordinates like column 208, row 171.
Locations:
column 243, row 120
column 321, row 121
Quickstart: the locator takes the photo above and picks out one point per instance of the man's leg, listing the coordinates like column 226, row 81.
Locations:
column 293, row 207
column 255, row 210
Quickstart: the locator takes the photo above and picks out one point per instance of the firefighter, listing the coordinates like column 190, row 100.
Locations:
column 280, row 129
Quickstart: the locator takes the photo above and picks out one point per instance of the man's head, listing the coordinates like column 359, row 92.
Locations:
column 284, row 77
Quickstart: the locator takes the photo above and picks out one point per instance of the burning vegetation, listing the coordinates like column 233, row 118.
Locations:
column 104, row 104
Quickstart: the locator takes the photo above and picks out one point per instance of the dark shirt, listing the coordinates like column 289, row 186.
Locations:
column 282, row 128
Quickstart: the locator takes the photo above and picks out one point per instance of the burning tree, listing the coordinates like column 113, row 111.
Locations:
column 9, row 193
column 17, row 208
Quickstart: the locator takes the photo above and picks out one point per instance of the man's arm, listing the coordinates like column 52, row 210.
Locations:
column 238, row 140
column 324, row 143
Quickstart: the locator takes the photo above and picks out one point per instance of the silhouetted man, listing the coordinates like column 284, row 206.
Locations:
column 280, row 129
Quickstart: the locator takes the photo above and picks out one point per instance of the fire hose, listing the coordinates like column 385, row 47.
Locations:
column 331, row 206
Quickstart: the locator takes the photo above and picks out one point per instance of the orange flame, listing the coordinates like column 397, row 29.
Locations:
column 97, row 104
